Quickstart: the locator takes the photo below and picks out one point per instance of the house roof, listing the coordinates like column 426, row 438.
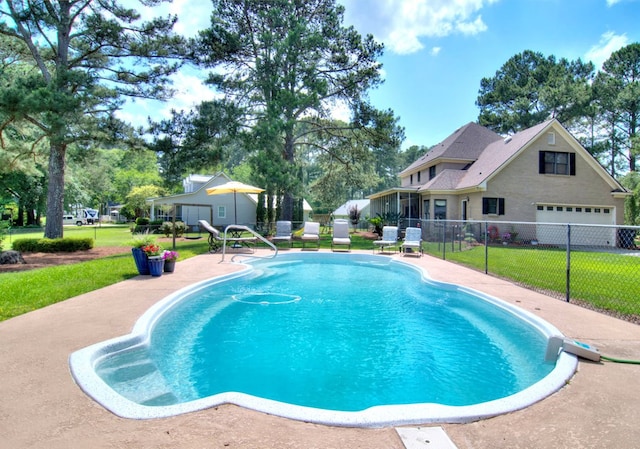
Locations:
column 465, row 144
column 445, row 180
column 497, row 153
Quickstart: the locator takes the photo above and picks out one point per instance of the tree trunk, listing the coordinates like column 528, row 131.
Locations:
column 55, row 191
column 287, row 200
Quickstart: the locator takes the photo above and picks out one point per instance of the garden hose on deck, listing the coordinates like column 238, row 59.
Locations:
column 613, row 359
column 558, row 343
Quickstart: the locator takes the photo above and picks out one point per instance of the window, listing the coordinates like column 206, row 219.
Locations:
column 410, row 179
column 578, row 209
column 493, row 206
column 426, row 209
column 606, row 211
column 557, row 163
column 569, row 209
column 440, row 209
column 551, row 138
column 559, row 208
column 222, row 212
column 432, row 172
column 419, row 177
column 540, row 208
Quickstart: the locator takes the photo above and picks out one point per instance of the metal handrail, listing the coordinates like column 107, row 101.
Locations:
column 245, row 228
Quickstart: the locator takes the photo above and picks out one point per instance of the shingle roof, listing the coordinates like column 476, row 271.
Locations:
column 466, row 144
column 498, row 153
column 445, row 180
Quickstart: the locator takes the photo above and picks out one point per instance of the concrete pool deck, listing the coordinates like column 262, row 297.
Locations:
column 41, row 406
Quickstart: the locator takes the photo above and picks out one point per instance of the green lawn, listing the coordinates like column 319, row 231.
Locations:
column 607, row 281
column 25, row 291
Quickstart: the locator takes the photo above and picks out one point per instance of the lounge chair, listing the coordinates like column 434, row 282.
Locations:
column 216, row 241
column 283, row 233
column 341, row 234
column 389, row 239
column 311, row 233
column 412, row 241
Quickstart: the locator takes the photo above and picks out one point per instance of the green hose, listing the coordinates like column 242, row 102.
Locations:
column 611, row 359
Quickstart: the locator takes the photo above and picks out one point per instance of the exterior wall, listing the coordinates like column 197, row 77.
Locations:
column 523, row 187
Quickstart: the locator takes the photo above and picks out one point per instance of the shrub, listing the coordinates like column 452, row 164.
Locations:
column 44, row 245
column 166, row 228
column 4, row 227
column 142, row 221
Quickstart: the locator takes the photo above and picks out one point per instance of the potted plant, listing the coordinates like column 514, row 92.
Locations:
column 154, row 257
column 138, row 242
column 170, row 258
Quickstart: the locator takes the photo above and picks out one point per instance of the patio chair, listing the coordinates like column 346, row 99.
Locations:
column 311, row 233
column 283, row 233
column 215, row 241
column 341, row 234
column 412, row 243
column 389, row 239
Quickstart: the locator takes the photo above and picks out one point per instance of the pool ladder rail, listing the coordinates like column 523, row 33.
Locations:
column 234, row 227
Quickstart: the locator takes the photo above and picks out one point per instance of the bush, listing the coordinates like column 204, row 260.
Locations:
column 166, row 228
column 44, row 245
column 4, row 227
column 142, row 221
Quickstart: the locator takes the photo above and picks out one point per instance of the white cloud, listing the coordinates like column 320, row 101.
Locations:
column 193, row 15
column 190, row 91
column 609, row 42
column 401, row 24
column 435, row 51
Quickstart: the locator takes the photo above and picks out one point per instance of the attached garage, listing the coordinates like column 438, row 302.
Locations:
column 576, row 215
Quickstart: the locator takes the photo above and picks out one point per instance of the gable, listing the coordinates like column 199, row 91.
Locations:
column 465, row 144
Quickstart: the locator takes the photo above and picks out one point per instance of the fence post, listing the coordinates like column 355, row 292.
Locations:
column 568, row 268
column 486, row 248
column 444, row 240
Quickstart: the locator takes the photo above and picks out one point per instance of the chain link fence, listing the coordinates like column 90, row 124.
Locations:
column 595, row 266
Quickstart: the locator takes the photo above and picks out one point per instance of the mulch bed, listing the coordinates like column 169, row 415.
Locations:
column 42, row 260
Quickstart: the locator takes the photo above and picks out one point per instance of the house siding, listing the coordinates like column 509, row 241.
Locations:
column 585, row 188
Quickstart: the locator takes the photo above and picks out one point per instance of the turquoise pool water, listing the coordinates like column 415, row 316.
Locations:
column 329, row 332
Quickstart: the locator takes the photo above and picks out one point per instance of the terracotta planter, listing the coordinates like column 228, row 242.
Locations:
column 141, row 261
column 156, row 265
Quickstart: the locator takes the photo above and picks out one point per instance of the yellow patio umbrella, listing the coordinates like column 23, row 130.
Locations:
column 233, row 187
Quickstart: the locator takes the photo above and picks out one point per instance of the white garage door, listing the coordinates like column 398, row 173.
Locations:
column 576, row 215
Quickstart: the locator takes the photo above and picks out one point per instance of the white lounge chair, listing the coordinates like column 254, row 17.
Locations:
column 389, row 239
column 412, row 241
column 283, row 233
column 311, row 233
column 341, row 234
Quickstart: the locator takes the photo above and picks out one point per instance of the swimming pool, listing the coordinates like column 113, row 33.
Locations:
column 285, row 345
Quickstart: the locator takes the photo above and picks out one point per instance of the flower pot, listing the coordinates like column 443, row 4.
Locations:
column 156, row 265
column 140, row 259
column 169, row 266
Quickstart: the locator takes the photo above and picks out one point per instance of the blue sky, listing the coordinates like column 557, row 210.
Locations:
column 437, row 51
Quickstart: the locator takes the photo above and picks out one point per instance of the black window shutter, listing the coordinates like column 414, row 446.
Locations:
column 572, row 164
column 500, row 206
column 485, row 206
column 541, row 162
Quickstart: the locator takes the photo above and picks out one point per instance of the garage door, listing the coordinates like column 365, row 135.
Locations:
column 577, row 215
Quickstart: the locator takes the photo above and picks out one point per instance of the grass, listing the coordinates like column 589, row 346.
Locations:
column 605, row 280
column 26, row 291
column 596, row 277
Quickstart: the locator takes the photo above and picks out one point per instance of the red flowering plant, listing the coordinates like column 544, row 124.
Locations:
column 152, row 250
column 170, row 256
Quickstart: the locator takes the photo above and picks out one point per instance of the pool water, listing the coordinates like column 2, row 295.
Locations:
column 335, row 333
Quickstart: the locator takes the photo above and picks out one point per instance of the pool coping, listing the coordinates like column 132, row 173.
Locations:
column 82, row 367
